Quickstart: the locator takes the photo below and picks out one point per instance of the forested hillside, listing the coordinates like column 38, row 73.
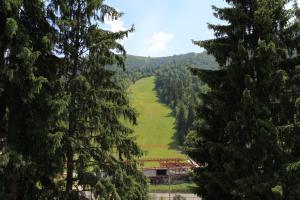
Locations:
column 175, row 84
column 178, row 88
column 138, row 67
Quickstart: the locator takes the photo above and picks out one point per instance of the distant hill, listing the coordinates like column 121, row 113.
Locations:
column 138, row 67
column 201, row 60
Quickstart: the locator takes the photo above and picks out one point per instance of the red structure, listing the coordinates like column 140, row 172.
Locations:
column 171, row 163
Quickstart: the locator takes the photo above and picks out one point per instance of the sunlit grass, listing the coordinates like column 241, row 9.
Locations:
column 155, row 131
column 180, row 188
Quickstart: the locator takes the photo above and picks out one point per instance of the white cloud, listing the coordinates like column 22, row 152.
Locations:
column 115, row 25
column 159, row 41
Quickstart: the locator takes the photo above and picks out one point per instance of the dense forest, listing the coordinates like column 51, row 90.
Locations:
column 178, row 88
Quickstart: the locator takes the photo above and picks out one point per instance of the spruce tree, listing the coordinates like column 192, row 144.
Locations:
column 234, row 137
column 29, row 105
column 286, row 112
column 98, row 149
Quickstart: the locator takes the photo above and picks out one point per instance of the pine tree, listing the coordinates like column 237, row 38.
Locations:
column 286, row 112
column 98, row 148
column 234, row 136
column 181, row 122
column 29, row 106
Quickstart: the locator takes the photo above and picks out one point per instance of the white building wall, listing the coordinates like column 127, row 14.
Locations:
column 149, row 172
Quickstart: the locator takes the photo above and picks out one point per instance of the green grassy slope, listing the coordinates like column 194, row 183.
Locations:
column 182, row 188
column 155, row 130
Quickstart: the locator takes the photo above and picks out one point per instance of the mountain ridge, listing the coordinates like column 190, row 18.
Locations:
column 201, row 60
column 137, row 67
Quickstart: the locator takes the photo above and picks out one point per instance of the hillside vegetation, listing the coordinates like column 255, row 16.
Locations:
column 155, row 131
column 138, row 67
column 174, row 83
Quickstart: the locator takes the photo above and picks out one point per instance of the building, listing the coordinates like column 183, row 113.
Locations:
column 167, row 170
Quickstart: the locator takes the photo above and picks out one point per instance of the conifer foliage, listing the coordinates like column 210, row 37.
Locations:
column 95, row 143
column 234, row 137
column 29, row 131
column 60, row 112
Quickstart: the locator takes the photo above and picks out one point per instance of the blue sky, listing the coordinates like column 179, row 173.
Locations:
column 164, row 27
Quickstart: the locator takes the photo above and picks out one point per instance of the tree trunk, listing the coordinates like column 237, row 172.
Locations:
column 70, row 169
column 73, row 111
column 70, row 152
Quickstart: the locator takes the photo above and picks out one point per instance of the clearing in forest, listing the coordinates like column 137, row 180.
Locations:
column 155, row 131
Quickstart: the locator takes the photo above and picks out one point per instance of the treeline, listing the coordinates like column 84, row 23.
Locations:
column 60, row 110
column 246, row 131
column 178, row 88
column 138, row 67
